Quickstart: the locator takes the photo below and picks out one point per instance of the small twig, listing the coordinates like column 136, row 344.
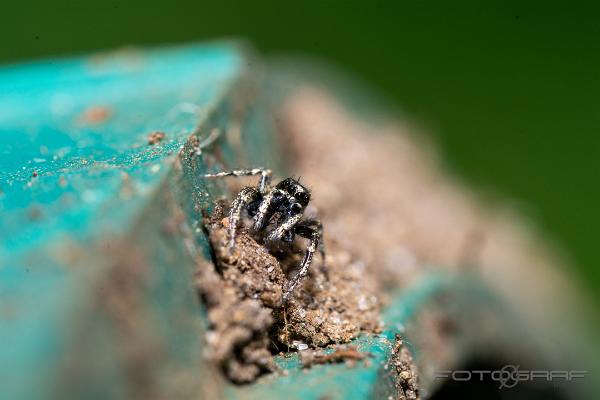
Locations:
column 347, row 354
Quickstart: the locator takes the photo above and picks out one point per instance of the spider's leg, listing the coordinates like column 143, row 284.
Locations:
column 265, row 210
column 315, row 238
column 246, row 195
column 286, row 226
column 305, row 229
column 263, row 183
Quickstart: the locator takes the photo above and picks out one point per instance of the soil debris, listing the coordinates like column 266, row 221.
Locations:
column 35, row 213
column 333, row 305
column 348, row 354
column 237, row 298
column 95, row 115
column 247, row 316
column 62, row 182
column 155, row 137
column 403, row 365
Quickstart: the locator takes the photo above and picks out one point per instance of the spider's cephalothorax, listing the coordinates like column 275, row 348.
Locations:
column 282, row 204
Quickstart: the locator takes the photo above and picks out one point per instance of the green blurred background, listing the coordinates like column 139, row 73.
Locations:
column 510, row 89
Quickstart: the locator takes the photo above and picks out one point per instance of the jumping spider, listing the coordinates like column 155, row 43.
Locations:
column 283, row 205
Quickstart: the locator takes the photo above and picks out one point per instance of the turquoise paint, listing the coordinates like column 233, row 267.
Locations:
column 50, row 263
column 41, row 106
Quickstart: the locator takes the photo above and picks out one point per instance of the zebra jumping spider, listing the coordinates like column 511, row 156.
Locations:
column 281, row 206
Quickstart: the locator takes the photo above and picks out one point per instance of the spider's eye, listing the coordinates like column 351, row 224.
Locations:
column 295, row 208
column 303, row 197
column 277, row 196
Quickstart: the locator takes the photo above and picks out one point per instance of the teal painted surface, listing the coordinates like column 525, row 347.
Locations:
column 68, row 182
column 43, row 129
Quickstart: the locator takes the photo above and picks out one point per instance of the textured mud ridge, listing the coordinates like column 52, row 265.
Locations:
column 404, row 367
column 248, row 320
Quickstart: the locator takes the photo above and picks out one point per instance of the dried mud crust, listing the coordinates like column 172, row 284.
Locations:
column 248, row 320
column 403, row 366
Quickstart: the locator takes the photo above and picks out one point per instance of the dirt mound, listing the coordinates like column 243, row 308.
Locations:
column 248, row 319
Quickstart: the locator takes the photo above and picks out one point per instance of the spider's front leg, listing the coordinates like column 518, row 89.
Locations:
column 285, row 228
column 263, row 183
column 246, row 196
column 312, row 230
column 265, row 210
column 306, row 229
